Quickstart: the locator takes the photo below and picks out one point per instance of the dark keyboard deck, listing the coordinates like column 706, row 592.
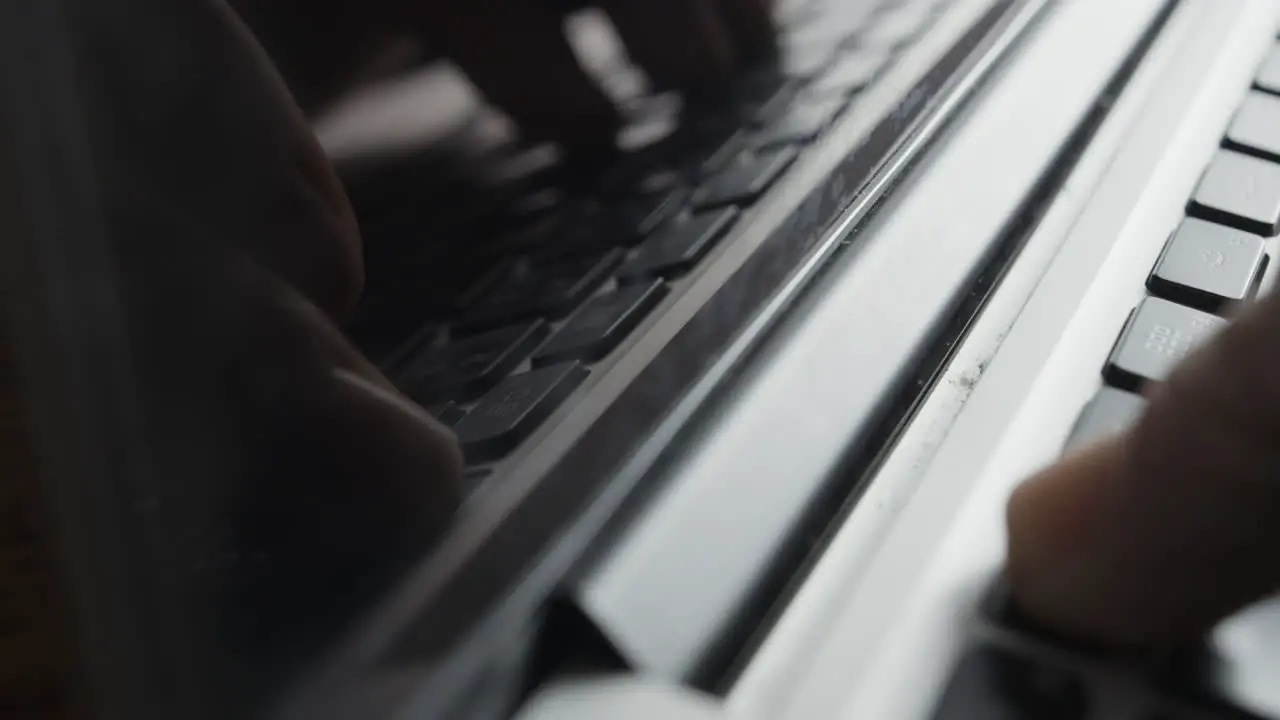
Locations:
column 494, row 321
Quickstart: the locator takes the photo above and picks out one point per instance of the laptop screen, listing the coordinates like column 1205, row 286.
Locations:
column 235, row 479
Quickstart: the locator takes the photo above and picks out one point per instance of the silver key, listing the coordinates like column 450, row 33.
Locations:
column 1109, row 413
column 1269, row 77
column 1256, row 127
column 1159, row 335
column 1208, row 266
column 1240, row 191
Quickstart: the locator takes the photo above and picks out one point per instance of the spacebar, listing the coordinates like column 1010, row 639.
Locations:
column 684, row 585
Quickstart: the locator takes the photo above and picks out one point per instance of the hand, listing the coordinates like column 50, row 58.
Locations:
column 241, row 254
column 1148, row 540
column 240, row 257
column 514, row 51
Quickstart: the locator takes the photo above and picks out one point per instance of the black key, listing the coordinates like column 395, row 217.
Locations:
column 1269, row 76
column 636, row 169
column 1255, row 130
column 601, row 325
column 803, row 124
column 514, row 242
column 758, row 86
column 512, row 411
column 638, row 192
column 1158, row 335
column 649, row 212
column 540, row 287
column 1240, row 191
column 447, row 413
column 726, row 152
column 743, row 183
column 775, row 106
column 1209, row 267
column 991, row 684
column 425, row 337
column 481, row 287
column 707, row 140
column 1111, row 412
column 466, row 369
column 678, row 247
column 851, row 73
column 590, row 228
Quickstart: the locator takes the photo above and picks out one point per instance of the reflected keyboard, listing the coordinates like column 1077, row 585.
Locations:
column 493, row 327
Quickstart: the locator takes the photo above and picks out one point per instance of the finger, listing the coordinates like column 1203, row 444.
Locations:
column 237, row 251
column 337, row 477
column 335, row 425
column 402, row 443
column 232, row 229
column 202, row 129
column 751, row 25
column 1150, row 539
column 517, row 55
column 320, row 48
column 681, row 44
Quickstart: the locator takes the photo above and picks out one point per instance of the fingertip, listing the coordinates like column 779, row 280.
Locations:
column 1059, row 559
column 406, row 442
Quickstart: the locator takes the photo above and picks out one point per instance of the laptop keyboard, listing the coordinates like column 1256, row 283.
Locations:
column 496, row 330
column 1215, row 259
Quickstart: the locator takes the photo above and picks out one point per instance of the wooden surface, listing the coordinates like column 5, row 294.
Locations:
column 37, row 667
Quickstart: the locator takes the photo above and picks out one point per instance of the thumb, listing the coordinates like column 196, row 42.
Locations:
column 1149, row 539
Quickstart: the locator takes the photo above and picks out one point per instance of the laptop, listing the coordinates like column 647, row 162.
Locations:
column 739, row 409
